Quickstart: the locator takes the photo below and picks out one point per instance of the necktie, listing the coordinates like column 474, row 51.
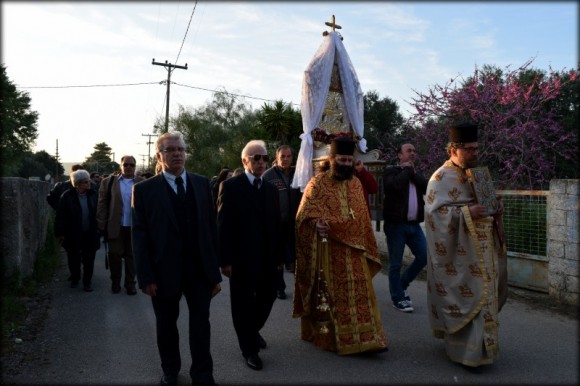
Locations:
column 180, row 188
column 257, row 183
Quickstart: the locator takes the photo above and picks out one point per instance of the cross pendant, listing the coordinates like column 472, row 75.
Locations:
column 351, row 212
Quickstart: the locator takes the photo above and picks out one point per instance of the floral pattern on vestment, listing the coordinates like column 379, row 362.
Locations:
column 349, row 260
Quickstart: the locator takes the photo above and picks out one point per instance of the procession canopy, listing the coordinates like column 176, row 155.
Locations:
column 332, row 103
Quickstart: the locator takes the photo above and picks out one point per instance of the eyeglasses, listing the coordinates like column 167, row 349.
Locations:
column 470, row 149
column 129, row 165
column 84, row 182
column 257, row 157
column 173, row 150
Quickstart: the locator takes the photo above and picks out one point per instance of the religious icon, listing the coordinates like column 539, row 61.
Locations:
column 482, row 186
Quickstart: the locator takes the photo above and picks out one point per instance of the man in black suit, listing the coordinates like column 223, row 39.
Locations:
column 175, row 247
column 250, row 248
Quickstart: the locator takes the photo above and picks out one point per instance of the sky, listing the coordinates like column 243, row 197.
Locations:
column 257, row 49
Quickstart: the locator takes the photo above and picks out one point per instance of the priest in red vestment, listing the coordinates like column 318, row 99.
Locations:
column 336, row 259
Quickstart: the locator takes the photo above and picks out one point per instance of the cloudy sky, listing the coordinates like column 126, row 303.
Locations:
column 257, row 49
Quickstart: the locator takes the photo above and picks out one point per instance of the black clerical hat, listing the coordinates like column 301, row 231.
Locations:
column 342, row 145
column 464, row 133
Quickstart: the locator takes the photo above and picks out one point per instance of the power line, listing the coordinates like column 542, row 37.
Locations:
column 149, row 83
column 93, row 85
column 228, row 93
column 188, row 24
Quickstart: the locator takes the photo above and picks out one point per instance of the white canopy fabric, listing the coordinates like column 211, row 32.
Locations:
column 314, row 93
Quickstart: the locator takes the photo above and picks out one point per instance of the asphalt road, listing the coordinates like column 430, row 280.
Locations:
column 99, row 338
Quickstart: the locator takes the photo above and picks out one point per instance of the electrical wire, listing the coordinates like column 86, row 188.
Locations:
column 93, row 85
column 186, row 31
column 149, row 83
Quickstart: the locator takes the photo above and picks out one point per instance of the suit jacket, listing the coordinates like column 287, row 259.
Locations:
column 68, row 221
column 157, row 244
column 249, row 226
column 110, row 208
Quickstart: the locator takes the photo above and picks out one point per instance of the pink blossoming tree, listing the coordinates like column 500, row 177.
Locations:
column 528, row 123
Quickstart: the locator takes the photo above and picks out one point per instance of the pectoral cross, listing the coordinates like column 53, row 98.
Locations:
column 351, row 212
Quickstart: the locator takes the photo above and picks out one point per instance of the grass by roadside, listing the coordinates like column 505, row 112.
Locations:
column 18, row 293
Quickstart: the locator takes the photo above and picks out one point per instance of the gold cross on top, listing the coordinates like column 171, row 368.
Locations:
column 333, row 24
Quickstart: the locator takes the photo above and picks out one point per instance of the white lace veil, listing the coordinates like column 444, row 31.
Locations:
column 314, row 93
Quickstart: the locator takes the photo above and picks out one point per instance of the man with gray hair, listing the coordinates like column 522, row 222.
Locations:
column 250, row 248
column 76, row 228
column 175, row 247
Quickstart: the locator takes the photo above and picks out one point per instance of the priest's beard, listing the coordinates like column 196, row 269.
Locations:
column 341, row 172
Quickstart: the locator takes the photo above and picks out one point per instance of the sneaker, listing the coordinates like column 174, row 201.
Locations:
column 403, row 305
column 408, row 299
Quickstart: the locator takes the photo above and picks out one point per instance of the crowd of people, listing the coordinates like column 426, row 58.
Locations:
column 179, row 233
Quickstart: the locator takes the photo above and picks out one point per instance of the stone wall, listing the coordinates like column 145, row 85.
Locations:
column 563, row 240
column 24, row 220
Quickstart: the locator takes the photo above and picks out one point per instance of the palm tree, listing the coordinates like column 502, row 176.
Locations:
column 281, row 122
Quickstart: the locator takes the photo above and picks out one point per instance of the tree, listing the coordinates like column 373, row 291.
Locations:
column 216, row 132
column 39, row 165
column 281, row 124
column 383, row 123
column 100, row 160
column 523, row 136
column 19, row 130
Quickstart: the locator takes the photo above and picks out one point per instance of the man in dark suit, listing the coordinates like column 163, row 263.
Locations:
column 175, row 247
column 250, row 248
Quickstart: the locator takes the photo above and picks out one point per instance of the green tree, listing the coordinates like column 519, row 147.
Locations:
column 18, row 121
column 281, row 124
column 216, row 132
column 383, row 123
column 100, row 160
column 39, row 164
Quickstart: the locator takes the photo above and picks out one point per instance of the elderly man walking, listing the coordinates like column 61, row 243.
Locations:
column 175, row 245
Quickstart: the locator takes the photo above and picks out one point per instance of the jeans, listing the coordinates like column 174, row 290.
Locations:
column 397, row 236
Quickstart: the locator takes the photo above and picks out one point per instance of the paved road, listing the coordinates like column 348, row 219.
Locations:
column 100, row 338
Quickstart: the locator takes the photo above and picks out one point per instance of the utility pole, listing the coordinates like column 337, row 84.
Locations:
column 142, row 161
column 57, row 162
column 169, row 68
column 149, row 149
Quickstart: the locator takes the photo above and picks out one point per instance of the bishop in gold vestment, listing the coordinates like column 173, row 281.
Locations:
column 466, row 264
column 333, row 290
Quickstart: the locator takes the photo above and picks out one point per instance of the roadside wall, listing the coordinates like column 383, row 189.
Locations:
column 563, row 240
column 24, row 221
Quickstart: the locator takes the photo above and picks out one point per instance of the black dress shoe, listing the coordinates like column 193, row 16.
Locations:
column 116, row 288
column 261, row 342
column 168, row 380
column 254, row 362
column 131, row 291
column 281, row 294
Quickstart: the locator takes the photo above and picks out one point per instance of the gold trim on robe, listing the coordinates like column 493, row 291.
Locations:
column 349, row 260
column 466, row 270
